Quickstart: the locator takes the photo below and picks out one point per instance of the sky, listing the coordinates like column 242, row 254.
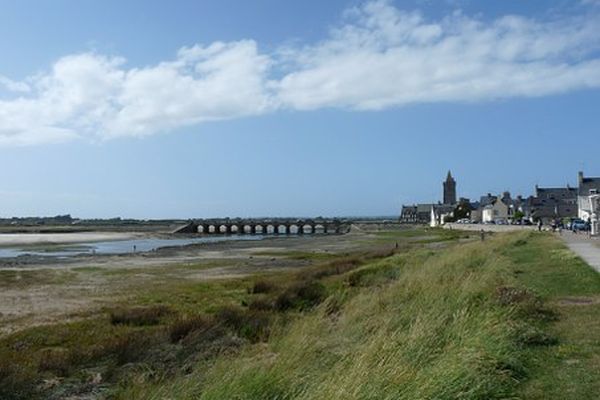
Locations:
column 187, row 109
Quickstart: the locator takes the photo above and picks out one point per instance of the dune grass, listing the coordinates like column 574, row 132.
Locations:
column 513, row 317
column 437, row 331
column 425, row 324
column 158, row 331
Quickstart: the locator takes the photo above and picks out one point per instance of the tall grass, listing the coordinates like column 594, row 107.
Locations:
column 419, row 326
column 460, row 321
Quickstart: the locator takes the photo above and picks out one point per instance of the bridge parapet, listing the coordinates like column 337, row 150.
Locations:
column 267, row 226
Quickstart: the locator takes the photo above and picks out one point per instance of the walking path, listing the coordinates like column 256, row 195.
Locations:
column 585, row 247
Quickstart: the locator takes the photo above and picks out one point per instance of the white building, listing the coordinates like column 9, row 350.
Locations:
column 439, row 213
column 494, row 211
column 588, row 187
column 595, row 215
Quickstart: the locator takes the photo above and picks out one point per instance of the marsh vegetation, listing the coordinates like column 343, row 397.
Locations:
column 441, row 315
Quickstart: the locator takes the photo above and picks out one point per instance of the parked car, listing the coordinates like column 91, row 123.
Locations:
column 578, row 225
column 501, row 222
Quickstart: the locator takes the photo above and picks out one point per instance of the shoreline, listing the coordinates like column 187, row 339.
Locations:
column 34, row 239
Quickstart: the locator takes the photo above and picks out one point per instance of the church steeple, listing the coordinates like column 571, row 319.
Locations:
column 449, row 189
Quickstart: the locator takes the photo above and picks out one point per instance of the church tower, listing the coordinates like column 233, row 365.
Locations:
column 450, row 190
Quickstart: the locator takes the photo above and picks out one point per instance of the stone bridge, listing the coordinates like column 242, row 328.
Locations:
column 275, row 226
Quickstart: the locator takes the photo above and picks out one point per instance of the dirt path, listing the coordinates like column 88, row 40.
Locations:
column 585, row 247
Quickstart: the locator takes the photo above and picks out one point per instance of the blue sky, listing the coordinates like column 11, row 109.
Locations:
column 231, row 108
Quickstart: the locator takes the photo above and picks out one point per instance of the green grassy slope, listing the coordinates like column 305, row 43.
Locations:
column 514, row 317
column 474, row 321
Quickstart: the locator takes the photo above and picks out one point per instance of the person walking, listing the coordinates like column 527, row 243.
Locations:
column 540, row 223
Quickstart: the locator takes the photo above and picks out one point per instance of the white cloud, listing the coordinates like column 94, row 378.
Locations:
column 384, row 57
column 13, row 86
column 221, row 81
column 380, row 57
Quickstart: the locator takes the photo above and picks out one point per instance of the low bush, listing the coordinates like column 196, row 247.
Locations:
column 57, row 361
column 530, row 335
column 303, row 295
column 139, row 316
column 126, row 348
column 261, row 304
column 15, row 383
column 182, row 326
column 263, row 286
column 527, row 303
column 253, row 325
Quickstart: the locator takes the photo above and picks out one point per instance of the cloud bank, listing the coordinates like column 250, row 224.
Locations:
column 379, row 57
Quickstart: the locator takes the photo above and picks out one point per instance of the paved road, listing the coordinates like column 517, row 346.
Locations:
column 489, row 228
column 585, row 247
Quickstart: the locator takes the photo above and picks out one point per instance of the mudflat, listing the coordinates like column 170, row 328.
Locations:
column 41, row 290
column 29, row 239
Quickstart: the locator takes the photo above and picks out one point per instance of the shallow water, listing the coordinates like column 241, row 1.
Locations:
column 114, row 246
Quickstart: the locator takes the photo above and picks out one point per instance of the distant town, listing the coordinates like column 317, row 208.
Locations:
column 576, row 208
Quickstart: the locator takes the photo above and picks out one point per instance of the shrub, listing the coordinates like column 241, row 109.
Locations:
column 138, row 316
column 262, row 286
column 261, row 304
column 508, row 295
column 182, row 326
column 127, row 348
column 311, row 293
column 530, row 335
column 15, row 383
column 527, row 303
column 253, row 325
column 303, row 295
column 57, row 361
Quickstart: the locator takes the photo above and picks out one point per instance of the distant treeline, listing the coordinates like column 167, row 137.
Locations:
column 68, row 220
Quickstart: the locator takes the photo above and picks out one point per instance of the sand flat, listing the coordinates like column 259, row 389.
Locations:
column 20, row 239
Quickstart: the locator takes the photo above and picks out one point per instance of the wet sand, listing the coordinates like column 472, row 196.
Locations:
column 32, row 239
column 40, row 290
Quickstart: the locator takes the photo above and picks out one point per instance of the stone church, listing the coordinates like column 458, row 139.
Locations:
column 432, row 213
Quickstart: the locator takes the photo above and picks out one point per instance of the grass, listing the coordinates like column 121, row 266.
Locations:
column 425, row 234
column 515, row 316
column 435, row 330
column 298, row 255
column 139, row 316
column 27, row 278
column 155, row 332
column 571, row 369
column 465, row 322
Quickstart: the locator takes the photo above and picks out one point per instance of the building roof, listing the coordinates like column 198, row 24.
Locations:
column 487, row 199
column 556, row 192
column 424, row 207
column 586, row 184
column 444, row 208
